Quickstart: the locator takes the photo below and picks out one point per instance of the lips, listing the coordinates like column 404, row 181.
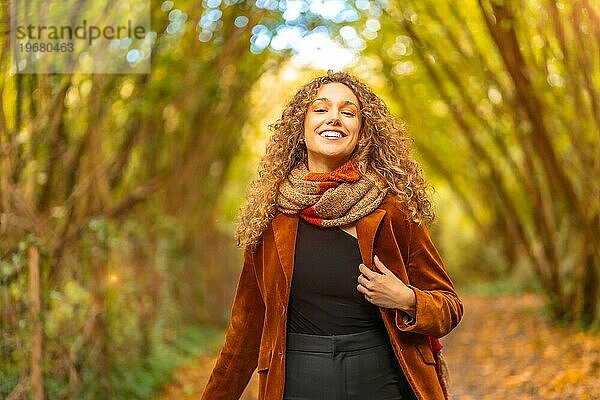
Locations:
column 332, row 134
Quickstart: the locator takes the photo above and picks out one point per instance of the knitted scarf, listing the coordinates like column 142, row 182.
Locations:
column 336, row 198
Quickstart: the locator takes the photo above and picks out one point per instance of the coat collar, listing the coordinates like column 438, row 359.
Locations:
column 366, row 228
column 285, row 228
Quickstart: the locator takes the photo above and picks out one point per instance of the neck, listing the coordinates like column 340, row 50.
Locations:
column 324, row 165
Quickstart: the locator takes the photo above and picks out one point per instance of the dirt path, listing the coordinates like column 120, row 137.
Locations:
column 503, row 349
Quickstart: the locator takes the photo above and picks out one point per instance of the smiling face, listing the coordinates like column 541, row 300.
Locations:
column 331, row 127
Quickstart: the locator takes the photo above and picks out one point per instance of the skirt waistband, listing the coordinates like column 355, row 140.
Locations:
column 337, row 343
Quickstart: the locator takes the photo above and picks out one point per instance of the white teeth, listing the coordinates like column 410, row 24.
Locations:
column 331, row 134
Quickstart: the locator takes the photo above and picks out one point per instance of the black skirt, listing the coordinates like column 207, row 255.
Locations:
column 358, row 366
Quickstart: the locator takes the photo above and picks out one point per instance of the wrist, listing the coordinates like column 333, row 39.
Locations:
column 408, row 301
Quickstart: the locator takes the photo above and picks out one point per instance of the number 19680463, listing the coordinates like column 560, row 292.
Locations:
column 46, row 47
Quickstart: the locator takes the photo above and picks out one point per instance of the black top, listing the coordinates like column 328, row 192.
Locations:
column 323, row 297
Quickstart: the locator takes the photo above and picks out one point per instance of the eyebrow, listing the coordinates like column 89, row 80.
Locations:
column 345, row 102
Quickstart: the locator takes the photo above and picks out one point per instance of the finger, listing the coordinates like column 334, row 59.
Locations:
column 364, row 281
column 381, row 266
column 366, row 271
column 363, row 290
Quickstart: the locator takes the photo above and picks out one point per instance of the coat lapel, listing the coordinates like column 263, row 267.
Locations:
column 366, row 228
column 285, row 228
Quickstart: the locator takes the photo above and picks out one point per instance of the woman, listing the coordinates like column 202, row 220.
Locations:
column 341, row 290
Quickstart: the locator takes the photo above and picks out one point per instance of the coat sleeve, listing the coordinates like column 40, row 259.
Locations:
column 438, row 307
column 239, row 357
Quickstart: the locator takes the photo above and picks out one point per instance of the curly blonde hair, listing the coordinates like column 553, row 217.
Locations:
column 386, row 149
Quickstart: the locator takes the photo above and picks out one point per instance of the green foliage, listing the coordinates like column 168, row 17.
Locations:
column 144, row 341
column 8, row 380
column 66, row 309
column 137, row 378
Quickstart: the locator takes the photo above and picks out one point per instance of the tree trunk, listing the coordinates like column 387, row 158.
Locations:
column 36, row 341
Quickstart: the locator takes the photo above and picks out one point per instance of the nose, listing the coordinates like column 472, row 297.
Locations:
column 334, row 120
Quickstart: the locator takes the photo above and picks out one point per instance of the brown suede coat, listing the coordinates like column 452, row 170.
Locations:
column 257, row 332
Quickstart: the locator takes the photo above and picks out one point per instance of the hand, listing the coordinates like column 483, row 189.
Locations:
column 385, row 289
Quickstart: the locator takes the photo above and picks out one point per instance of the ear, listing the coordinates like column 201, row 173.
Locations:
column 362, row 136
column 361, row 132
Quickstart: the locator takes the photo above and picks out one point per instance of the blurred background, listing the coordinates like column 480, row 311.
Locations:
column 118, row 192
